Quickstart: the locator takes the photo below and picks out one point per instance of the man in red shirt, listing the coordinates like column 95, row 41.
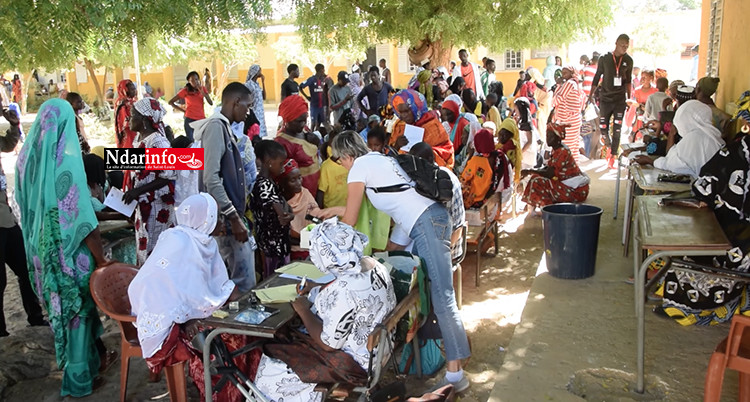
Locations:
column 469, row 72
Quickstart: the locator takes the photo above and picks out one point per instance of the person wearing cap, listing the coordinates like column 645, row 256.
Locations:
column 470, row 73
column 340, row 96
column 372, row 121
column 705, row 88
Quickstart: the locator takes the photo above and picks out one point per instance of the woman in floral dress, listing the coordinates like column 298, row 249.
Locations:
column 153, row 189
column 561, row 180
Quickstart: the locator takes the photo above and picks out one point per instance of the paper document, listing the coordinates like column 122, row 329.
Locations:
column 414, row 134
column 114, row 201
column 323, row 279
column 300, row 269
column 277, row 294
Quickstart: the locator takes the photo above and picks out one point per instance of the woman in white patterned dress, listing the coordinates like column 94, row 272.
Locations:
column 343, row 313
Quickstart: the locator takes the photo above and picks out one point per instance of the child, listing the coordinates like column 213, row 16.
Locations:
column 476, row 178
column 301, row 202
column 272, row 213
column 493, row 114
column 377, row 142
column 332, row 187
column 187, row 180
column 509, row 141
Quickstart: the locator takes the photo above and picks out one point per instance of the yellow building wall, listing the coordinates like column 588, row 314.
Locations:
column 733, row 58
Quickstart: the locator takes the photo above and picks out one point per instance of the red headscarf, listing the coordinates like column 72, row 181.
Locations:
column 484, row 141
column 453, row 107
column 292, row 107
column 122, row 92
column 289, row 165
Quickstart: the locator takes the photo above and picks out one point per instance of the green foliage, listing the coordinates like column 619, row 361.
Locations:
column 498, row 25
column 53, row 34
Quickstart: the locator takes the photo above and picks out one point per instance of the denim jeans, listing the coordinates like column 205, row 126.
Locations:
column 431, row 235
column 240, row 260
column 189, row 130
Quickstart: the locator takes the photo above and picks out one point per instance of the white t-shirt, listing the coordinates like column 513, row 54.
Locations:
column 378, row 170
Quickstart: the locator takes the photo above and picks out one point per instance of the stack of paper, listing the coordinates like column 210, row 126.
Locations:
column 277, row 294
column 114, row 201
column 298, row 270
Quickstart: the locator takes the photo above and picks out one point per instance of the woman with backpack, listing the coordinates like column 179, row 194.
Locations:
column 420, row 220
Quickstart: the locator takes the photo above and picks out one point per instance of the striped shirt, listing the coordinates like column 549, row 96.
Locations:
column 588, row 78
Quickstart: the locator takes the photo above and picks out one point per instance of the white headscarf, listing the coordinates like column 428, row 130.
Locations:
column 183, row 279
column 336, row 247
column 700, row 140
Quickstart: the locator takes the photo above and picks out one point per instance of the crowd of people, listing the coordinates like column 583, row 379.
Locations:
column 334, row 156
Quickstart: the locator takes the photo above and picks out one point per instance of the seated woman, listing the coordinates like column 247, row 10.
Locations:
column 338, row 316
column 561, row 180
column 509, row 141
column 700, row 141
column 411, row 107
column 522, row 114
column 476, row 179
column 184, row 278
column 692, row 298
column 301, row 201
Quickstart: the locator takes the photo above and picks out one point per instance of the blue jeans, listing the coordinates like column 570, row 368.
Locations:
column 432, row 241
column 188, row 129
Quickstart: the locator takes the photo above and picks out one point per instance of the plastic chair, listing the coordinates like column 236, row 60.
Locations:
column 458, row 237
column 109, row 288
column 734, row 353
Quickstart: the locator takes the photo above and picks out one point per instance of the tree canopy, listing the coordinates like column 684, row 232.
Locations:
column 52, row 34
column 495, row 24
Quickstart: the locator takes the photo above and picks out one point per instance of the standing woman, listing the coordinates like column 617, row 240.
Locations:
column 125, row 97
column 425, row 222
column 63, row 244
column 193, row 94
column 17, row 89
column 153, row 189
column 568, row 104
column 257, row 95
column 355, row 84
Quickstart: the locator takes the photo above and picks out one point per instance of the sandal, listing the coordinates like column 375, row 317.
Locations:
column 109, row 359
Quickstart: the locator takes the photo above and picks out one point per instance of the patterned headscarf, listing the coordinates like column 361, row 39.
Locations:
column 660, row 73
column 413, row 99
column 198, row 212
column 151, row 108
column 292, row 107
column 558, row 129
column 573, row 71
column 289, row 166
column 743, row 107
column 685, row 93
column 336, row 247
column 252, row 72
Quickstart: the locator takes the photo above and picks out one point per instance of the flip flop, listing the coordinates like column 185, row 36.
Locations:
column 110, row 357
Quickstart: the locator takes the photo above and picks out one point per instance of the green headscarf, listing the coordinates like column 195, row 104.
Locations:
column 708, row 85
column 425, row 85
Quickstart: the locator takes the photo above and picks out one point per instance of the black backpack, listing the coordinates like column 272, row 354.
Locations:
column 430, row 181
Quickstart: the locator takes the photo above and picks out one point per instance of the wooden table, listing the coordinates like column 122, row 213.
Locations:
column 647, row 179
column 266, row 329
column 111, row 226
column 668, row 231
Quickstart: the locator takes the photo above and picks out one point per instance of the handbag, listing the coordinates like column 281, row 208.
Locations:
column 430, row 355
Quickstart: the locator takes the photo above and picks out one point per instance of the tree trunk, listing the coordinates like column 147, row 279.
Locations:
column 94, row 80
column 438, row 52
column 224, row 77
column 25, row 92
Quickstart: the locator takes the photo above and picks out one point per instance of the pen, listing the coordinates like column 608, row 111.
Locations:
column 303, row 283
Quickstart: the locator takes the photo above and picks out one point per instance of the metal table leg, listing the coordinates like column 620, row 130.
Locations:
column 207, row 364
column 617, row 187
column 628, row 220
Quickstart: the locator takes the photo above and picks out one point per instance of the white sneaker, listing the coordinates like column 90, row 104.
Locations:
column 458, row 387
